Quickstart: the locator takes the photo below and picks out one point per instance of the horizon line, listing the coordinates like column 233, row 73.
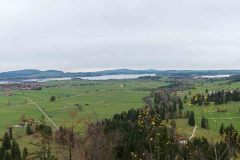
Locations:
column 100, row 70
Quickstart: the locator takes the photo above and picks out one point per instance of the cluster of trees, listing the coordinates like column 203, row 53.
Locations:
column 136, row 134
column 229, row 130
column 167, row 105
column 140, row 134
column 10, row 149
column 44, row 147
column 199, row 99
column 221, row 97
column 218, row 97
column 234, row 78
column 201, row 149
column 192, row 122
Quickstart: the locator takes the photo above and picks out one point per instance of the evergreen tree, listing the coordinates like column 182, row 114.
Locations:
column 29, row 130
column 206, row 90
column 180, row 104
column 2, row 152
column 204, row 123
column 6, row 145
column 15, row 151
column 185, row 99
column 191, row 119
column 221, row 130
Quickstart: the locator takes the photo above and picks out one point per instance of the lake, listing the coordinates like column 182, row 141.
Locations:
column 105, row 77
column 117, row 77
column 215, row 76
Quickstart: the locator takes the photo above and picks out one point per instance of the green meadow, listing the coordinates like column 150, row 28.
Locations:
column 92, row 100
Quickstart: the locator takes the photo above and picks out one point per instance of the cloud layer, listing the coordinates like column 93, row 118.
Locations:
column 81, row 35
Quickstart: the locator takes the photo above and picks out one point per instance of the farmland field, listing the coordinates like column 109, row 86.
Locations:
column 93, row 100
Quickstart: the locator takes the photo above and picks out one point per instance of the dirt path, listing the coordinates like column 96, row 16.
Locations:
column 40, row 109
column 193, row 133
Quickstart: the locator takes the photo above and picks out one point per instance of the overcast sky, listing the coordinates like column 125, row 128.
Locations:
column 86, row 35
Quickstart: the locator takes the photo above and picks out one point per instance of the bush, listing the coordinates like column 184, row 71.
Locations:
column 52, row 98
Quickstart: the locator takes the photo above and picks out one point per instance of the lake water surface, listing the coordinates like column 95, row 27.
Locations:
column 106, row 77
column 215, row 76
column 121, row 76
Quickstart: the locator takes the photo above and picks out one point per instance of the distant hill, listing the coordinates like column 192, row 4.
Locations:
column 38, row 74
column 31, row 73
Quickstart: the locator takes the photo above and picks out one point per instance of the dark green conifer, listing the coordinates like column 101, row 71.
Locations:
column 15, row 150
column 6, row 145
column 191, row 119
column 221, row 130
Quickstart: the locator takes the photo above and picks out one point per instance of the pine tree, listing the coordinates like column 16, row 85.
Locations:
column 180, row 104
column 185, row 99
column 203, row 123
column 221, row 130
column 6, row 145
column 15, row 151
column 191, row 119
column 206, row 91
column 29, row 130
column 2, row 152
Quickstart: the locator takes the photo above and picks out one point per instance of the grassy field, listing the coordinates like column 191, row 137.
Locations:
column 97, row 100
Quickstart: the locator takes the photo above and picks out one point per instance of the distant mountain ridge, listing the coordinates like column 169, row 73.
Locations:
column 31, row 73
column 38, row 74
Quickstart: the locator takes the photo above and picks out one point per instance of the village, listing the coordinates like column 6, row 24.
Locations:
column 21, row 86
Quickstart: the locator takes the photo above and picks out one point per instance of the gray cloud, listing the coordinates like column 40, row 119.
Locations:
column 80, row 35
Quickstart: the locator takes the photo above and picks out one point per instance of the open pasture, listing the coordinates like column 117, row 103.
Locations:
column 93, row 100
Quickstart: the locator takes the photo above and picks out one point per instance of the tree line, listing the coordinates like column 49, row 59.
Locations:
column 217, row 97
